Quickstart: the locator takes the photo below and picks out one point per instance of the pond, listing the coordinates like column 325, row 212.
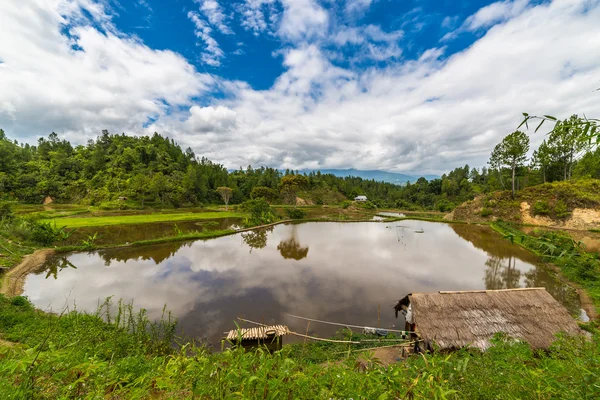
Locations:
column 329, row 271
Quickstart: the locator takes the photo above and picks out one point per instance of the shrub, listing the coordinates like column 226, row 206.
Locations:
column 345, row 204
column 45, row 233
column 367, row 205
column 486, row 212
column 541, row 207
column 5, row 210
column 295, row 213
column 260, row 212
column 264, row 192
column 561, row 210
column 445, row 205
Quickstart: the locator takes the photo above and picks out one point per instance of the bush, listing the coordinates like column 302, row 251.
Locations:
column 5, row 210
column 367, row 205
column 45, row 233
column 561, row 210
column 486, row 212
column 541, row 208
column 345, row 204
column 260, row 212
column 295, row 213
column 445, row 205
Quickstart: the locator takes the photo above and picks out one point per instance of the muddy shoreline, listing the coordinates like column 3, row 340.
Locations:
column 14, row 279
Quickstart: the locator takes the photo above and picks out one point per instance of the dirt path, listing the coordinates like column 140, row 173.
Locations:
column 12, row 284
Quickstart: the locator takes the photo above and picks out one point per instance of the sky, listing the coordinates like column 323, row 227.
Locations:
column 414, row 86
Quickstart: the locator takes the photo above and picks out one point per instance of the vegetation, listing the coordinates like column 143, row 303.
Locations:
column 511, row 152
column 142, row 219
column 117, row 353
column 561, row 250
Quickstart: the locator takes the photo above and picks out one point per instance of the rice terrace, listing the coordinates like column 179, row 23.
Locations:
column 299, row 199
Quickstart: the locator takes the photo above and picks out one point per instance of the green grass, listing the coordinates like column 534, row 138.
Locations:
column 77, row 355
column 141, row 219
column 12, row 252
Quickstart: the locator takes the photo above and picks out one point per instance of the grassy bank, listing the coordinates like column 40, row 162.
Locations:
column 76, row 355
column 570, row 257
column 80, row 222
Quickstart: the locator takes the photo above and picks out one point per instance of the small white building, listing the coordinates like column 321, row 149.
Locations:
column 360, row 198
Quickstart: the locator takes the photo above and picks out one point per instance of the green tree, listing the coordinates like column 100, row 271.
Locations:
column 290, row 185
column 512, row 153
column 542, row 158
column 567, row 140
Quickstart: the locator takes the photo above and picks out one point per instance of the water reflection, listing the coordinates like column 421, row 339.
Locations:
column 256, row 239
column 505, row 269
column 352, row 268
column 291, row 249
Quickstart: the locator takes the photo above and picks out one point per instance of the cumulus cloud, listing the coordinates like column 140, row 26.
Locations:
column 61, row 73
column 211, row 119
column 302, row 20
column 425, row 115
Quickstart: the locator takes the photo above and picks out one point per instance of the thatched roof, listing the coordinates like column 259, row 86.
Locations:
column 472, row 318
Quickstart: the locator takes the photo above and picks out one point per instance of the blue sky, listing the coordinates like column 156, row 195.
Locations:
column 415, row 86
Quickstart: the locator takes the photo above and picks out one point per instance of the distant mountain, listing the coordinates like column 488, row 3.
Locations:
column 383, row 176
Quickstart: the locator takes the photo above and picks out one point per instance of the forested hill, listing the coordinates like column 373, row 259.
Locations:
column 156, row 171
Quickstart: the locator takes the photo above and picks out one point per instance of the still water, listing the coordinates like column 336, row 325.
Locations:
column 330, row 271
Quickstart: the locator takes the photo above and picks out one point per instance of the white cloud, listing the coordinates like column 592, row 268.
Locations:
column 425, row 115
column 212, row 53
column 494, row 13
column 89, row 81
column 253, row 15
column 211, row 119
column 213, row 11
column 353, row 6
column 302, row 20
column 373, row 42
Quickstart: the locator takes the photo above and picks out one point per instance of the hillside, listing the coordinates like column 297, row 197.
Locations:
column 570, row 205
column 381, row 176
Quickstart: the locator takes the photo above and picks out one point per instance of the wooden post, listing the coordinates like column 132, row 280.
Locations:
column 307, row 325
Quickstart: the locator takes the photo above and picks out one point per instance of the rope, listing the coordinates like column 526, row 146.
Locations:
column 304, row 336
column 347, row 325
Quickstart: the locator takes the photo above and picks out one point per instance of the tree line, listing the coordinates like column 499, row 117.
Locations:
column 155, row 171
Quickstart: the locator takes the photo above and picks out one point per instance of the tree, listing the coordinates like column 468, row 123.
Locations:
column 542, row 158
column 226, row 194
column 567, row 140
column 290, row 185
column 512, row 153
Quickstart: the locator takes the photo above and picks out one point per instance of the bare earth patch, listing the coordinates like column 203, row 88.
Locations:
column 12, row 284
column 581, row 218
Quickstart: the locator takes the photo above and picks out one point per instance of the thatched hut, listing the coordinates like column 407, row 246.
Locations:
column 454, row 320
column 269, row 336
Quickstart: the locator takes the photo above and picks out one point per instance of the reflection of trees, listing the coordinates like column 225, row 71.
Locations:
column 157, row 252
column 565, row 294
column 501, row 274
column 291, row 248
column 256, row 239
column 57, row 264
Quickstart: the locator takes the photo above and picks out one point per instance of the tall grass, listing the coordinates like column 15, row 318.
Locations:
column 116, row 353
